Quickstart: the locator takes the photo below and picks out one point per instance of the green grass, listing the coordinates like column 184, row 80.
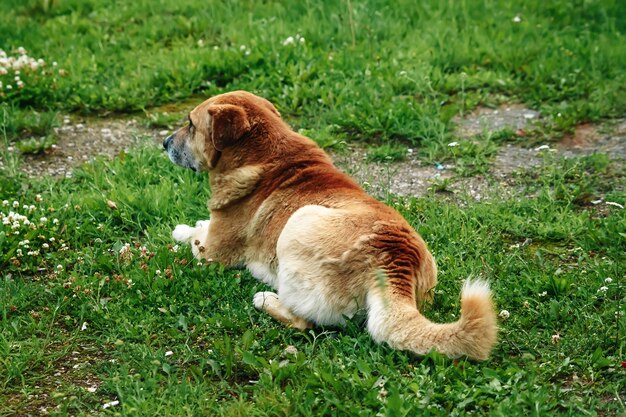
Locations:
column 410, row 67
column 91, row 315
column 229, row 359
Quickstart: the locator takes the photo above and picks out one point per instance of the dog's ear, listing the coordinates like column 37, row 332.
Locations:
column 228, row 124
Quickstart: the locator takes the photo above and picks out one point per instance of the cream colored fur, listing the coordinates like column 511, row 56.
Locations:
column 281, row 208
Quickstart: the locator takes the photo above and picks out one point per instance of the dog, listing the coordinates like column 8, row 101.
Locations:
column 281, row 208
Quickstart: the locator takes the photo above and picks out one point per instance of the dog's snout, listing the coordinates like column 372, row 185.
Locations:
column 167, row 142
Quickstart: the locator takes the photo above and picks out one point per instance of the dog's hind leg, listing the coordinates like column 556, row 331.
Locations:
column 268, row 301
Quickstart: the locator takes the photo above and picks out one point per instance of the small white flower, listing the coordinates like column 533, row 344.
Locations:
column 157, row 272
column 301, row 39
column 59, row 267
column 16, row 204
column 55, row 221
column 453, row 144
column 5, row 203
column 17, row 78
column 43, row 220
column 45, row 246
column 84, row 326
column 543, row 294
column 242, row 48
column 21, row 50
column 169, row 353
column 517, row 19
column 603, row 289
column 504, row 314
column 54, row 63
column 288, row 41
column 556, row 338
column 608, row 280
column 9, row 87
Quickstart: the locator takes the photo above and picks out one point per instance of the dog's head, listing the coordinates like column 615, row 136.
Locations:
column 216, row 126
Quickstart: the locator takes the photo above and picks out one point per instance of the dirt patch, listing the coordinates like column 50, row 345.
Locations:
column 70, row 380
column 82, row 141
column 588, row 138
column 483, row 119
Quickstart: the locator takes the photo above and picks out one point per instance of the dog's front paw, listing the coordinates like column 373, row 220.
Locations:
column 183, row 233
column 264, row 299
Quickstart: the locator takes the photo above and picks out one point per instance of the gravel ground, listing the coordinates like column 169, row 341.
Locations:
column 80, row 142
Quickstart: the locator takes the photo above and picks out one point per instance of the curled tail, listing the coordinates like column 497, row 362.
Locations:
column 395, row 319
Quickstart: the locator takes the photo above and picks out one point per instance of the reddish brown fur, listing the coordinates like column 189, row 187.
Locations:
column 261, row 172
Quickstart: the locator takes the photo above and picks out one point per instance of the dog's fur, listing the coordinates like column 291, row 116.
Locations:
column 280, row 207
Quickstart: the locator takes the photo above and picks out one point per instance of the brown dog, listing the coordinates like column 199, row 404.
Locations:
column 280, row 207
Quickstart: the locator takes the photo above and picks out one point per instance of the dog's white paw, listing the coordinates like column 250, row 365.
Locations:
column 203, row 224
column 183, row 233
column 263, row 299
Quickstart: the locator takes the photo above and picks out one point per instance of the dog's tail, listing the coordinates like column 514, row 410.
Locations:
column 394, row 318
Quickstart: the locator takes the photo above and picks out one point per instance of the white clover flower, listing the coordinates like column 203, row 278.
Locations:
column 54, row 63
column 5, row 203
column 608, row 280
column 9, row 87
column 504, row 314
column 301, row 40
column 157, row 272
column 556, row 338
column 543, row 294
column 20, row 84
column 603, row 289
column 21, row 50
column 517, row 19
column 43, row 220
column 52, row 239
column 18, row 253
column 288, row 41
column 45, row 246
column 242, row 48
column 59, row 267
column 55, row 221
column 16, row 204
column 3, row 71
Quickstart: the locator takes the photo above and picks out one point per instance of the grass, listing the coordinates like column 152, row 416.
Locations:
column 114, row 311
column 408, row 69
column 105, row 308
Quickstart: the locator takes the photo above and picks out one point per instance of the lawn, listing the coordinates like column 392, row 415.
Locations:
column 100, row 313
